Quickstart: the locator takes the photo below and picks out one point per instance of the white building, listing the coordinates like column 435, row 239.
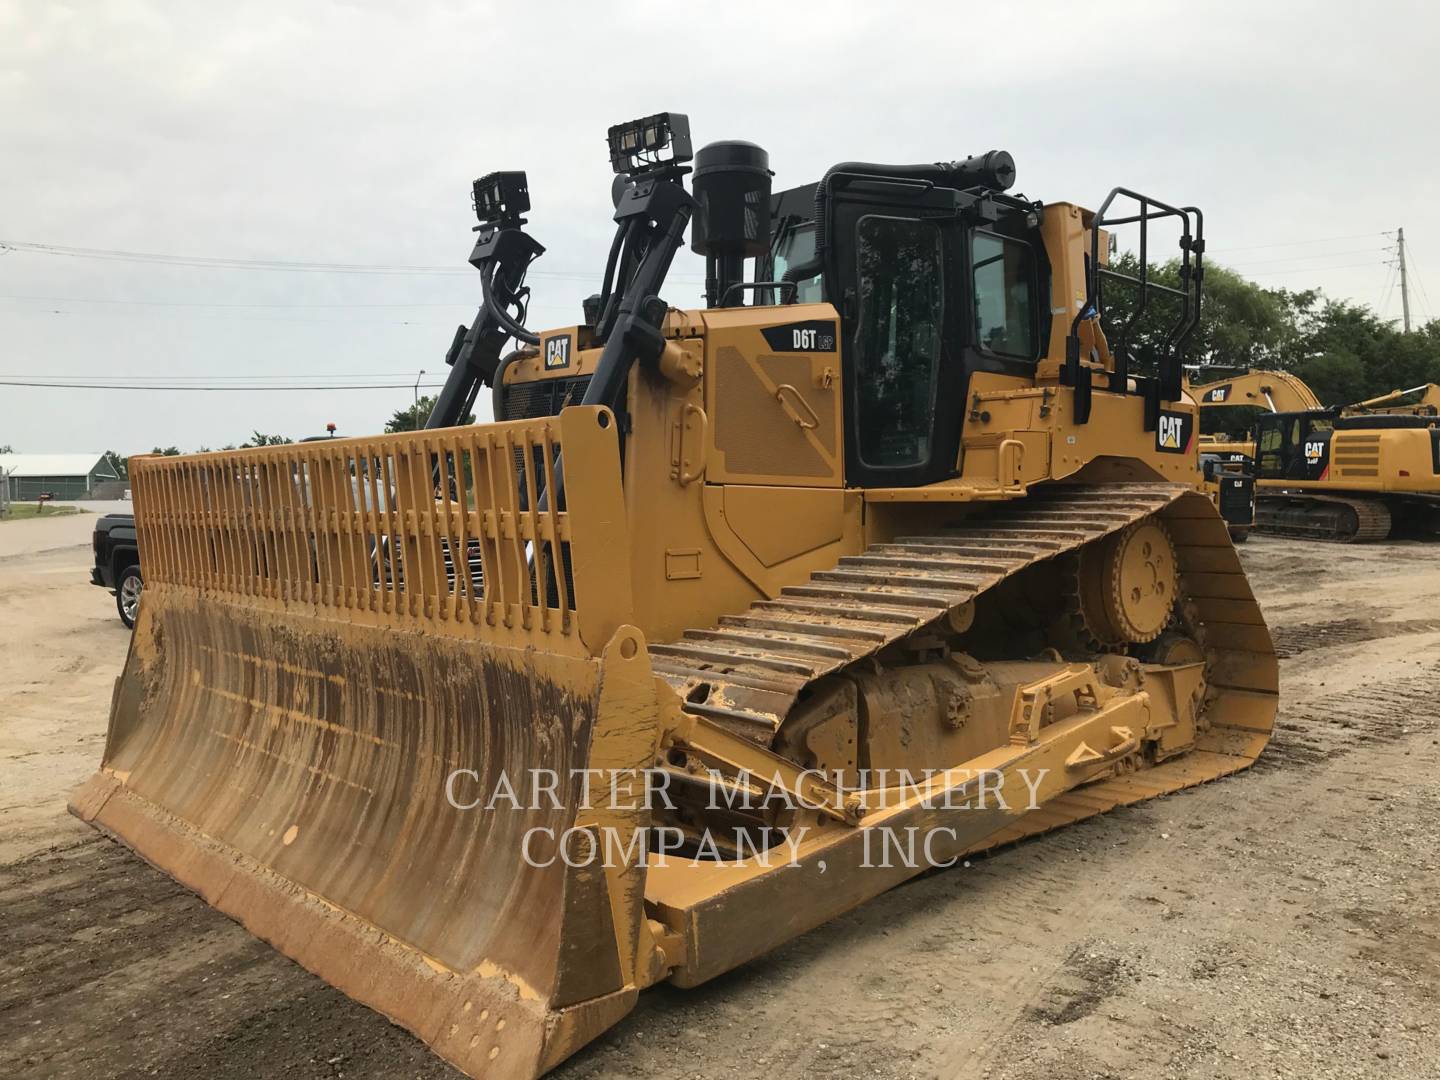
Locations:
column 63, row 476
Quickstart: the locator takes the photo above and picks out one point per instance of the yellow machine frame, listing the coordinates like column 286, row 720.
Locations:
column 331, row 660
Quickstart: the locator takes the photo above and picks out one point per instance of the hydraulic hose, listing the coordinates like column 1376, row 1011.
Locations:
column 995, row 169
column 607, row 283
column 502, row 316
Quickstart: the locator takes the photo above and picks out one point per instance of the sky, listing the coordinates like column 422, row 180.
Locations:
column 349, row 133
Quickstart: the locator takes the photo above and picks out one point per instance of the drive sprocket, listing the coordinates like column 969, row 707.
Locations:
column 1125, row 586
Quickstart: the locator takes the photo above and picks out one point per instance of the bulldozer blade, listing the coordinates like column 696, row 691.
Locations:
column 307, row 798
column 394, row 797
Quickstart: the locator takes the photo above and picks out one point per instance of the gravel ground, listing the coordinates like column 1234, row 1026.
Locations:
column 1281, row 923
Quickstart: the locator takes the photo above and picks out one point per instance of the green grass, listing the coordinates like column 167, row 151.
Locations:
column 19, row 510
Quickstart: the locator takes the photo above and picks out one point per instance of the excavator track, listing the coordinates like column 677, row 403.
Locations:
column 750, row 670
column 1340, row 519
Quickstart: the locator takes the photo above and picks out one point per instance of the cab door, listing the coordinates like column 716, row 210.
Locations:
column 892, row 263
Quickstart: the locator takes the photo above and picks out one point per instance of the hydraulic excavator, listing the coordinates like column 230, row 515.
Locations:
column 1350, row 473
column 1229, row 408
column 734, row 618
column 1227, row 455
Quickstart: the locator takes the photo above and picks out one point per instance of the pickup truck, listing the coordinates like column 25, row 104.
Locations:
column 117, row 563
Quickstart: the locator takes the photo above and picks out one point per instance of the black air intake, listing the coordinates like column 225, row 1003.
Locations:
column 732, row 220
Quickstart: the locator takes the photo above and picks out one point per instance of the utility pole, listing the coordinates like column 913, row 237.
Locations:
column 1404, row 289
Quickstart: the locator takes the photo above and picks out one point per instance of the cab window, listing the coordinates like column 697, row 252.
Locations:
column 796, row 247
column 897, row 353
column 1276, row 442
column 1003, row 278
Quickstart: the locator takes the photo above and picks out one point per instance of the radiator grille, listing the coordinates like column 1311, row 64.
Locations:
column 544, row 397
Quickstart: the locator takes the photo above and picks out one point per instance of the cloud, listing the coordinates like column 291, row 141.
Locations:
column 351, row 131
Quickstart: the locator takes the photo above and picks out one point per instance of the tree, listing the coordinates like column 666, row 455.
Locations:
column 167, row 451
column 1343, row 350
column 118, row 464
column 413, row 417
column 1337, row 377
column 261, row 439
column 1242, row 325
column 1347, row 353
column 7, row 449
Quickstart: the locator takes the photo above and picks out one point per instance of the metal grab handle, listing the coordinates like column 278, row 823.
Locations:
column 739, row 288
column 1009, row 461
column 692, row 418
column 793, row 412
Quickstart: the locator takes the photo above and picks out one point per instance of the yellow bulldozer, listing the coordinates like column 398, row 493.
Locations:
column 734, row 618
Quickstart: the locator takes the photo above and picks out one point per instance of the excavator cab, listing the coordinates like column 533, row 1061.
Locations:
column 1294, row 445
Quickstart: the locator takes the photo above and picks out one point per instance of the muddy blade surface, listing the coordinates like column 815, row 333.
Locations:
column 294, row 773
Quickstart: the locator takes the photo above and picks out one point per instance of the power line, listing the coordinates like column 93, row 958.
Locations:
column 1297, row 243
column 233, row 316
column 1306, row 258
column 228, row 304
column 1415, row 270
column 113, row 313
column 226, row 263
column 211, row 389
column 253, row 377
column 281, row 265
column 1310, row 269
column 1391, row 273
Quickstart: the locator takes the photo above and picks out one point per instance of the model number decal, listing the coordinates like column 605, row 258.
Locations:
column 815, row 335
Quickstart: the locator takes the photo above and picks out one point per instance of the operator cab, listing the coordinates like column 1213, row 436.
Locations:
column 935, row 277
column 1294, row 445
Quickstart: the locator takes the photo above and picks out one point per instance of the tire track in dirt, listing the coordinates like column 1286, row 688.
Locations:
column 1293, row 639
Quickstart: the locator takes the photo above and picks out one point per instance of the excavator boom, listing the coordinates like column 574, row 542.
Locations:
column 1426, row 401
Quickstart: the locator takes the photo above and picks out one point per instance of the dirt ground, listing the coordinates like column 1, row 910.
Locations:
column 1285, row 922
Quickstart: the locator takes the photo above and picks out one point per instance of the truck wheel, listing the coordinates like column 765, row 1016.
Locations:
column 127, row 595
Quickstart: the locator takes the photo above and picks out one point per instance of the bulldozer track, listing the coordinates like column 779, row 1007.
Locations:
column 1321, row 517
column 748, row 672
